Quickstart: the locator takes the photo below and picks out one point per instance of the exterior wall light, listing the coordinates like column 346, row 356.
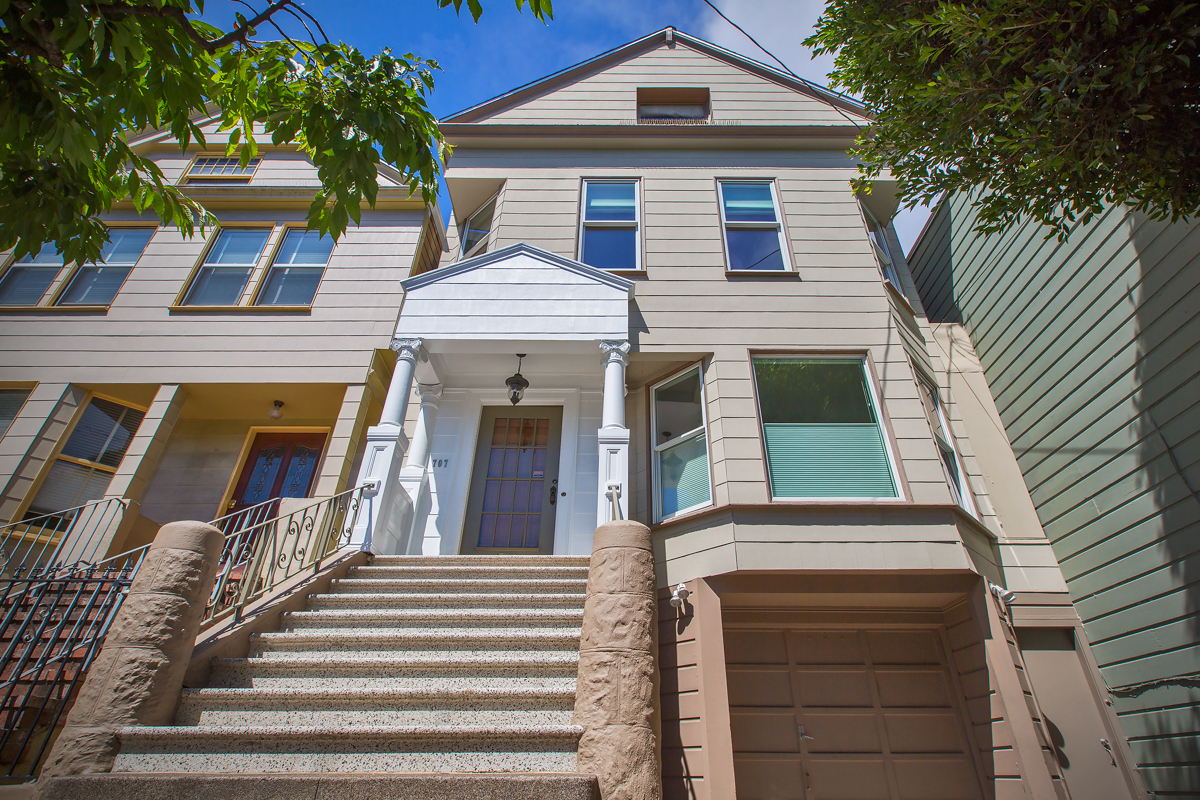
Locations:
column 276, row 411
column 517, row 383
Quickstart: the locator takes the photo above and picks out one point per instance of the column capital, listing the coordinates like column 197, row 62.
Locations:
column 429, row 393
column 615, row 351
column 408, row 349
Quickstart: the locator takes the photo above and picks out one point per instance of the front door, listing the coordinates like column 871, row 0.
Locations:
column 514, row 486
column 278, row 465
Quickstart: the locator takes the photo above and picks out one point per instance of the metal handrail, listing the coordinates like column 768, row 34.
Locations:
column 263, row 553
column 51, row 543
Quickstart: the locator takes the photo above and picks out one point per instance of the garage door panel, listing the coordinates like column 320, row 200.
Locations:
column 768, row 779
column 841, row 732
column 846, row 779
column 913, row 688
column 759, row 687
column 824, row 647
column 903, row 647
column 923, row 733
column 955, row 779
column 764, row 731
column 835, row 687
column 755, row 647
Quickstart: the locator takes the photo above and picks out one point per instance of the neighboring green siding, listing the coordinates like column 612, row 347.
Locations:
column 1091, row 347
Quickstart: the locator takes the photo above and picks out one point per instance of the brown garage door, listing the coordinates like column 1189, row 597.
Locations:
column 846, row 715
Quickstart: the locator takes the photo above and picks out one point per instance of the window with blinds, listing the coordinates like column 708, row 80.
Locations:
column 11, row 402
column 297, row 269
column 680, row 465
column 87, row 461
column 821, row 429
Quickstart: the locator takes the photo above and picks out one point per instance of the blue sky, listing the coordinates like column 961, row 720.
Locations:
column 507, row 49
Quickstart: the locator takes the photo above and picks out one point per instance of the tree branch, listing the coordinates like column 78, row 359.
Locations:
column 237, row 35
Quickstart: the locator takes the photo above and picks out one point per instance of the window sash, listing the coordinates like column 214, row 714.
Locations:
column 774, row 225
column 956, row 473
column 296, row 270
column 217, row 167
column 472, row 230
column 26, row 284
column 691, row 489
column 597, row 223
column 94, row 285
column 824, row 460
column 11, row 403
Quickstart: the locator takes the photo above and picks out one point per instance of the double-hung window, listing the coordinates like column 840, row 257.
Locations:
column 883, row 251
column 26, row 281
column 88, row 460
column 296, row 269
column 821, row 429
column 753, row 228
column 680, row 463
column 609, row 239
column 475, row 232
column 227, row 267
column 956, row 476
column 98, row 284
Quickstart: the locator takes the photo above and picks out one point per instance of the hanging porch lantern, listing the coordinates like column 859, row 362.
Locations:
column 517, row 383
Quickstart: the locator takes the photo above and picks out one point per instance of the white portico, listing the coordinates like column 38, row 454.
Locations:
column 482, row 475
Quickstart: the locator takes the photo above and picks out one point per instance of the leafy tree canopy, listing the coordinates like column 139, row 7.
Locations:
column 81, row 77
column 1053, row 108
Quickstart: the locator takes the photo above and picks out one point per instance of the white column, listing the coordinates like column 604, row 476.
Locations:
column 408, row 352
column 387, row 510
column 613, row 437
column 431, row 400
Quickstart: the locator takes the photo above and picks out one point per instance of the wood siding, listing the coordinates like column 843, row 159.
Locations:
column 610, row 96
column 1091, row 348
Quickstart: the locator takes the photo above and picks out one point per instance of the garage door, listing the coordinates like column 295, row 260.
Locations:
column 846, row 715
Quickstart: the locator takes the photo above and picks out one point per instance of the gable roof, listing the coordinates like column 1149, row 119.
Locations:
column 666, row 36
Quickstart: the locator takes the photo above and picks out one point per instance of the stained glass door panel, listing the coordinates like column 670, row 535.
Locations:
column 514, row 490
column 278, row 465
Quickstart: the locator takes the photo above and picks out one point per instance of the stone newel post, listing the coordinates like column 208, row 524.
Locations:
column 616, row 696
column 137, row 678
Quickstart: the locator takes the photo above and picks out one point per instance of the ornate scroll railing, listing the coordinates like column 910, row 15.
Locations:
column 268, row 544
column 53, row 620
column 55, row 543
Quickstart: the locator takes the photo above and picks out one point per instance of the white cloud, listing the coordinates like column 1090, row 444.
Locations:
column 779, row 25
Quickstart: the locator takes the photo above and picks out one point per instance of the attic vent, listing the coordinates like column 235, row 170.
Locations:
column 673, row 106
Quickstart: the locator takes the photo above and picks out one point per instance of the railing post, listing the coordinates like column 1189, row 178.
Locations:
column 137, row 678
column 616, row 693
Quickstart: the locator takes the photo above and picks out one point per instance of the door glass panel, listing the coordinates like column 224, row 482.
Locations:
column 300, row 471
column 512, row 495
column 262, row 480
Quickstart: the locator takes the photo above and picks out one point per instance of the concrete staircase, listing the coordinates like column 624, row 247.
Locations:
column 415, row 664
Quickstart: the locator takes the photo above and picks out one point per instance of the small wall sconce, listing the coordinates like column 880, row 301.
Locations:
column 276, row 411
column 517, row 383
column 679, row 596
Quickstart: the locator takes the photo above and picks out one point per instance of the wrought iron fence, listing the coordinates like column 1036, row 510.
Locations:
column 57, row 601
column 53, row 623
column 267, row 544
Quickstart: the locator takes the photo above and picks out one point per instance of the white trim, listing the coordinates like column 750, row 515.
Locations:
column 889, row 447
column 636, row 224
column 658, row 448
column 474, row 401
column 784, row 250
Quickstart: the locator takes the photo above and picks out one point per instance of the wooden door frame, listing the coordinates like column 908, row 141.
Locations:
column 454, row 515
column 248, row 443
column 482, row 442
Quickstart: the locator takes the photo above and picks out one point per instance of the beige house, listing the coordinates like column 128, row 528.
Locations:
column 661, row 301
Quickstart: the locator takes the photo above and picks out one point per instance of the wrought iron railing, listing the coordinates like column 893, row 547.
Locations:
column 57, row 602
column 53, row 620
column 51, row 544
column 268, row 544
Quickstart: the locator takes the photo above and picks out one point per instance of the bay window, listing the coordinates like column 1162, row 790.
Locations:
column 680, row 445
column 821, row 429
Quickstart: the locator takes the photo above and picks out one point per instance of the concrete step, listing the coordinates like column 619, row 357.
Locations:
column 430, row 641
column 434, row 618
column 467, row 586
column 380, row 706
column 497, row 559
column 460, row 603
column 450, row 671
column 401, row 748
column 473, row 572
column 412, row 786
